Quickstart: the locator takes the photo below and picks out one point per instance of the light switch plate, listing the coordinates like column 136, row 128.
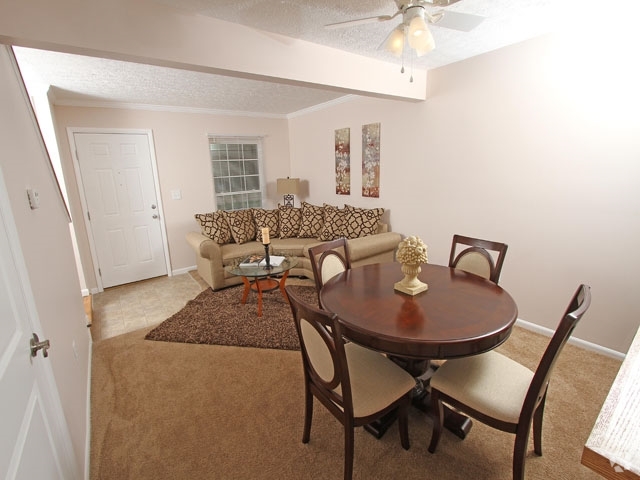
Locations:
column 34, row 198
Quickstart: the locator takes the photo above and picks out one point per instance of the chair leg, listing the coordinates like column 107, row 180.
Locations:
column 348, row 450
column 438, row 419
column 308, row 415
column 520, row 451
column 403, row 424
column 537, row 426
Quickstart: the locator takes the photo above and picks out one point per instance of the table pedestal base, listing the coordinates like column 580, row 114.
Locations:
column 454, row 421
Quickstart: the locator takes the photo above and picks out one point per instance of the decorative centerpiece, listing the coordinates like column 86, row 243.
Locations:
column 411, row 253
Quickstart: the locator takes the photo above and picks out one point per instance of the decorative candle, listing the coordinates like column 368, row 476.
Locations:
column 265, row 236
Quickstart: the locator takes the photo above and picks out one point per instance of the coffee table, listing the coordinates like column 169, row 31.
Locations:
column 262, row 279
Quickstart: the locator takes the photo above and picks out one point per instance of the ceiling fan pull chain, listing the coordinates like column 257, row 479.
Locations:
column 411, row 79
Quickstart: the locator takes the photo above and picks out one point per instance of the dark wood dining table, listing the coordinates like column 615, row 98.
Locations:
column 460, row 314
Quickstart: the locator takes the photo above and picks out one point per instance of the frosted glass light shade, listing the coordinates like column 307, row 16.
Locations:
column 423, row 43
column 395, row 41
column 417, row 28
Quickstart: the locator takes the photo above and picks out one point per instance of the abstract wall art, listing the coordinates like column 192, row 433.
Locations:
column 371, row 160
column 343, row 161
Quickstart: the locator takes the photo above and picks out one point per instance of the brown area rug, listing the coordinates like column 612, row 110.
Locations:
column 218, row 318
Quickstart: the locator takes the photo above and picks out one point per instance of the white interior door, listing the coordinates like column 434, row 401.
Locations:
column 27, row 448
column 119, row 189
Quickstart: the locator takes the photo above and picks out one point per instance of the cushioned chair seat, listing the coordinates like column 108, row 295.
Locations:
column 368, row 370
column 489, row 383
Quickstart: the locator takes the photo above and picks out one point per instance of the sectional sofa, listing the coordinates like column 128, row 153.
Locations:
column 227, row 237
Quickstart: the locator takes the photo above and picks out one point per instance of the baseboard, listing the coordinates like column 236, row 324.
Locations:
column 85, row 292
column 180, row 271
column 87, row 448
column 547, row 332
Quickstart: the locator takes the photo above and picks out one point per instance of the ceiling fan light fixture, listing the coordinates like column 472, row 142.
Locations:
column 417, row 24
column 395, row 41
column 422, row 44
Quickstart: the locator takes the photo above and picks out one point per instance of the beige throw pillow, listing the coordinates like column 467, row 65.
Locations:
column 214, row 225
column 333, row 227
column 312, row 221
column 290, row 218
column 361, row 222
column 266, row 218
column 240, row 222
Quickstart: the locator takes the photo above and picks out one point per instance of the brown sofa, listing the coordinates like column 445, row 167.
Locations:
column 368, row 238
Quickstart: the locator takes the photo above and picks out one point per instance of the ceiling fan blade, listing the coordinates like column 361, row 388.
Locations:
column 464, row 22
column 439, row 3
column 360, row 21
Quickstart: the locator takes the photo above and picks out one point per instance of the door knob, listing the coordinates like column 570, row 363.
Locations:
column 36, row 345
column 154, row 216
column 153, row 206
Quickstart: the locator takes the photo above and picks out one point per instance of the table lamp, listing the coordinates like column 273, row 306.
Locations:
column 288, row 187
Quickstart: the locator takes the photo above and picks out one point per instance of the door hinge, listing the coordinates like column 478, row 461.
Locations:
column 99, row 272
column 88, row 216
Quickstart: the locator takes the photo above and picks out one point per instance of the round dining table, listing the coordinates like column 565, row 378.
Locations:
column 460, row 314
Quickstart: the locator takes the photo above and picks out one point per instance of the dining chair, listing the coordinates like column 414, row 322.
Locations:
column 327, row 260
column 472, row 255
column 356, row 384
column 502, row 393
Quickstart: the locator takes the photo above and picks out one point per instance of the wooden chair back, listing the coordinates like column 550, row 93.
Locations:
column 474, row 255
column 327, row 260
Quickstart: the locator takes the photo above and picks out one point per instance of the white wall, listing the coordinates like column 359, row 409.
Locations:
column 182, row 153
column 522, row 145
column 46, row 245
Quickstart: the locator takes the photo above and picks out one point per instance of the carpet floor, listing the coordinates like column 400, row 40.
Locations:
column 168, row 410
column 219, row 318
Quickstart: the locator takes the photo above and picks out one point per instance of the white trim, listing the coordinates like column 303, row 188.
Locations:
column 71, row 131
column 204, row 111
column 181, row 271
column 322, row 106
column 168, row 108
column 547, row 332
column 87, row 441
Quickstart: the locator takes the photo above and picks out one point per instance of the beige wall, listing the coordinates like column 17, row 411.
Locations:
column 507, row 147
column 46, row 246
column 520, row 145
column 182, row 154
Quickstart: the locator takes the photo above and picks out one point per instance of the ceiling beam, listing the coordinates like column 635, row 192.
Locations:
column 146, row 32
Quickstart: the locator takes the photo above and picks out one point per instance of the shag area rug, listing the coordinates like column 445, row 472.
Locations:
column 218, row 318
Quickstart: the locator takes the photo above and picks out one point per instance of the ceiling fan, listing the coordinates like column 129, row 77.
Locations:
column 413, row 28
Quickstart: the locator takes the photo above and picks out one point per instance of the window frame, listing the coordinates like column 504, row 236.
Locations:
column 230, row 204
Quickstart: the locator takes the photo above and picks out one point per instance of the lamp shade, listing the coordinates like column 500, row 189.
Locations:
column 423, row 43
column 288, row 185
column 395, row 41
column 417, row 28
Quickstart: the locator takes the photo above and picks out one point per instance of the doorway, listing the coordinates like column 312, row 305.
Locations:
column 119, row 192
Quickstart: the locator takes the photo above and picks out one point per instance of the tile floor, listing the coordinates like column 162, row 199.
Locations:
column 129, row 307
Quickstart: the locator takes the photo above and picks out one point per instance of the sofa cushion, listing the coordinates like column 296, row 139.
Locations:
column 293, row 247
column 361, row 222
column 241, row 223
column 290, row 218
column 333, row 226
column 214, row 225
column 312, row 221
column 266, row 218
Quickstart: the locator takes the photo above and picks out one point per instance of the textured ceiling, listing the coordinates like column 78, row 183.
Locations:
column 84, row 80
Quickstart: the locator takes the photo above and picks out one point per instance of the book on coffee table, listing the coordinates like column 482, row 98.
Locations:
column 252, row 261
column 274, row 261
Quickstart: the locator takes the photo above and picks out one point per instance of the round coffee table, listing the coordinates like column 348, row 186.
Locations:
column 261, row 279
